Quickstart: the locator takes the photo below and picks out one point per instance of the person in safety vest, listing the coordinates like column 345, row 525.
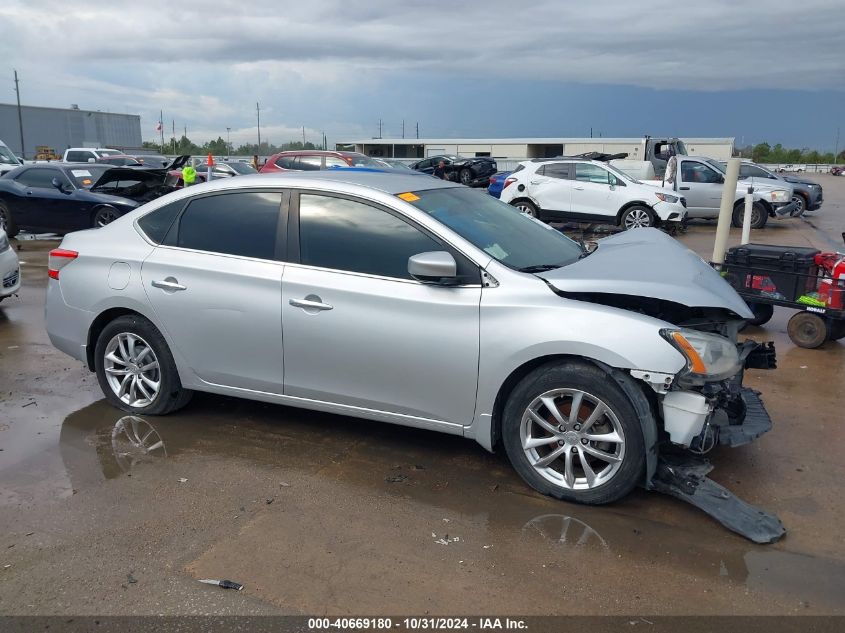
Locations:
column 189, row 175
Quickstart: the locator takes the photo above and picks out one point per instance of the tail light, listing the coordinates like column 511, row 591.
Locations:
column 492, row 180
column 59, row 258
column 508, row 181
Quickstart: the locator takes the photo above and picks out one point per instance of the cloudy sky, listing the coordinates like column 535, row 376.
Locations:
column 754, row 69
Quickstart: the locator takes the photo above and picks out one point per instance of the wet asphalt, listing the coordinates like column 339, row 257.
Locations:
column 323, row 514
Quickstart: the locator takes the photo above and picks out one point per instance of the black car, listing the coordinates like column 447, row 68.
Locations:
column 472, row 172
column 65, row 197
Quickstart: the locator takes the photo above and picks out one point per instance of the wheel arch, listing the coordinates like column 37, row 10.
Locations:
column 635, row 203
column 99, row 324
column 642, row 399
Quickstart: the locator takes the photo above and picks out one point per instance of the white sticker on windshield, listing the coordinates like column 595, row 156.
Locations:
column 80, row 173
column 496, row 251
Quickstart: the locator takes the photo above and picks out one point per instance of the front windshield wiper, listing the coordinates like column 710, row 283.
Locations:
column 538, row 268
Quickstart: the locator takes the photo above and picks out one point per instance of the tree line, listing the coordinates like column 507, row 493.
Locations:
column 219, row 147
column 765, row 153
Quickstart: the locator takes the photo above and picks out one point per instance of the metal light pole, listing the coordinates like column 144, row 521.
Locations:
column 20, row 117
column 228, row 141
column 258, row 119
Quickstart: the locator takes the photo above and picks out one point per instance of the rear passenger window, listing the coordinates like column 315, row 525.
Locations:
column 155, row 224
column 555, row 170
column 241, row 223
column 309, row 163
column 286, row 162
column 79, row 157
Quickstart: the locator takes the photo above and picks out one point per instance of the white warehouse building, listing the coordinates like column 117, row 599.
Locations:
column 522, row 148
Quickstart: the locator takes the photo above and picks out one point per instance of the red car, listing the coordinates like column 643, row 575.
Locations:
column 313, row 160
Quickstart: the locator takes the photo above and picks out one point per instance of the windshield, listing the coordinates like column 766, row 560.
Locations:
column 87, row 176
column 621, row 174
column 716, row 165
column 681, row 149
column 6, row 156
column 515, row 239
column 108, row 152
column 241, row 168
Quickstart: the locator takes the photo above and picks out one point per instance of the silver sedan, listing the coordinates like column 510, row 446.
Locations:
column 410, row 301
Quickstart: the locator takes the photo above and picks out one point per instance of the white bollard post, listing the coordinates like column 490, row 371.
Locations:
column 746, row 216
column 726, row 211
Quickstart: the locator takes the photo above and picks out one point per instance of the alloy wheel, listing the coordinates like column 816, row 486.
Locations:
column 526, row 208
column 637, row 218
column 4, row 223
column 105, row 216
column 572, row 438
column 466, row 177
column 799, row 203
column 132, row 370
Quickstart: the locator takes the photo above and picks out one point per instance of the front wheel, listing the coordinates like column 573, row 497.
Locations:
column 637, row 217
column 136, row 370
column 571, row 433
column 759, row 216
column 466, row 176
column 800, row 204
column 104, row 215
column 6, row 221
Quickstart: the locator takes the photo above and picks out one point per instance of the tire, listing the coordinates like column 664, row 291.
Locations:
column 837, row 330
column 807, row 330
column 800, row 203
column 465, row 176
column 527, row 207
column 759, row 215
column 562, row 381
column 762, row 313
column 104, row 215
column 637, row 217
column 116, row 365
column 6, row 221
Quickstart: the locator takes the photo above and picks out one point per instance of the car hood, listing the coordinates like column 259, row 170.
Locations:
column 116, row 174
column 799, row 181
column 648, row 263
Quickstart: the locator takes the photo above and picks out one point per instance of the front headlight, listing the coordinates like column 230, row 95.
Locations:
column 4, row 241
column 665, row 197
column 709, row 356
column 779, row 196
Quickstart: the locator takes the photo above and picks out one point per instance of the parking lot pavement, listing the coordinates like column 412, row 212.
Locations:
column 316, row 513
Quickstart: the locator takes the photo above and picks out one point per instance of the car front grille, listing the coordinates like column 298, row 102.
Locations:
column 11, row 279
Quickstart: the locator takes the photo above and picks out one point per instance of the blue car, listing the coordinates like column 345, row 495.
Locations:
column 497, row 183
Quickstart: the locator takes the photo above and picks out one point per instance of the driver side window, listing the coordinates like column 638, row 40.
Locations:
column 41, row 178
column 700, row 173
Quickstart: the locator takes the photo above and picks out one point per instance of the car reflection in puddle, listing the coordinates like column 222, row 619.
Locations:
column 135, row 441
column 561, row 529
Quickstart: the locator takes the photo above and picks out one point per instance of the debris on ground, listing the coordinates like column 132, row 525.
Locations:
column 182, row 480
column 445, row 540
column 226, row 584
column 29, row 404
column 131, row 579
column 284, row 484
column 270, row 500
column 396, row 479
column 494, row 487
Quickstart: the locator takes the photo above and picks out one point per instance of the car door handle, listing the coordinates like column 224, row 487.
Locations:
column 578, row 188
column 310, row 304
column 169, row 284
column 684, row 188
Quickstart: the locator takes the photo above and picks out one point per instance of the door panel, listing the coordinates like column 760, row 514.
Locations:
column 552, row 194
column 379, row 343
column 226, row 321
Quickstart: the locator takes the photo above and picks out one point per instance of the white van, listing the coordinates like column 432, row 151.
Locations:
column 8, row 161
column 87, row 154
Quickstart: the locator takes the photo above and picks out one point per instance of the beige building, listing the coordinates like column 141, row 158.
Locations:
column 521, row 148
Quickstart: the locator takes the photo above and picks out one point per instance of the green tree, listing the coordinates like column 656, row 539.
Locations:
column 761, row 153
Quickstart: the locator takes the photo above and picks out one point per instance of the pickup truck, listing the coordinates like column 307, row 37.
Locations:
column 701, row 180
column 8, row 161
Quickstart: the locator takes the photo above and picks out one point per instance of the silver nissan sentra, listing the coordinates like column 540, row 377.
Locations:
column 419, row 302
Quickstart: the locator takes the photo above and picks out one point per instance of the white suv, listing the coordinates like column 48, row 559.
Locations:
column 589, row 190
column 87, row 154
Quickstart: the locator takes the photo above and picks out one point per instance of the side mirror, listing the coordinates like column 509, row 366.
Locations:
column 58, row 184
column 433, row 267
column 92, row 160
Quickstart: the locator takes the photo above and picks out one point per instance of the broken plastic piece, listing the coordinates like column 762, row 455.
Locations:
column 226, row 584
column 685, row 478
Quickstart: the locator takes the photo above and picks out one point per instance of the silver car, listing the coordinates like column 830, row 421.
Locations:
column 416, row 302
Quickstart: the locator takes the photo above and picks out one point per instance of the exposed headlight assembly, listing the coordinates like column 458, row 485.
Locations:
column 779, row 195
column 709, row 356
column 665, row 197
column 4, row 241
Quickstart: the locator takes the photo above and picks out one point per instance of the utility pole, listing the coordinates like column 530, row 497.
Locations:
column 173, row 132
column 258, row 119
column 161, row 128
column 228, row 141
column 303, row 137
column 418, row 129
column 20, row 116
column 379, row 128
column 835, row 147
column 403, row 128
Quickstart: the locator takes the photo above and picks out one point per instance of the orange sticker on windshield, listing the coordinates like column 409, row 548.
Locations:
column 408, row 196
column 87, row 181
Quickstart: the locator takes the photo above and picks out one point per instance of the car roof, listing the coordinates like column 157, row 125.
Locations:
column 316, row 152
column 390, row 183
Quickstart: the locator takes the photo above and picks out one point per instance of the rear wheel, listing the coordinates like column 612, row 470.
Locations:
column 837, row 330
column 466, row 176
column 759, row 216
column 571, row 433
column 807, row 330
column 136, row 370
column 637, row 217
column 6, row 221
column 527, row 207
column 104, row 215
